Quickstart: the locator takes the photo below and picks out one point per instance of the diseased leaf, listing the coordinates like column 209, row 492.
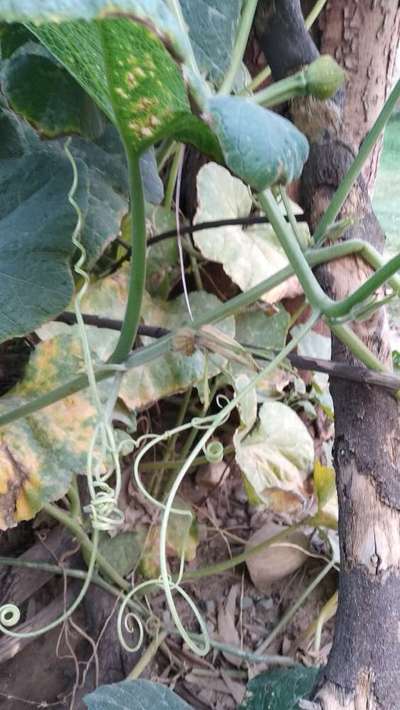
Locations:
column 41, row 91
column 173, row 372
column 39, row 454
column 276, row 456
column 123, row 64
column 248, row 255
column 325, row 489
column 280, row 689
column 131, row 694
column 259, row 146
column 212, row 29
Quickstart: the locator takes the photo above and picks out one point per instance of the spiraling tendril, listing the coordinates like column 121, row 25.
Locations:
column 103, row 507
column 210, row 424
column 214, row 451
column 9, row 615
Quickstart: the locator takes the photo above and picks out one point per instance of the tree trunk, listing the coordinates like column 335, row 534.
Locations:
column 364, row 665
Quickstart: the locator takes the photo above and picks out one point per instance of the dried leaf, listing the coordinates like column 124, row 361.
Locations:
column 248, row 255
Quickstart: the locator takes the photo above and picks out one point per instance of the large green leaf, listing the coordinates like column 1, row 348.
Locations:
column 279, row 689
column 36, row 223
column 212, row 28
column 39, row 89
column 134, row 695
column 122, row 63
column 260, row 146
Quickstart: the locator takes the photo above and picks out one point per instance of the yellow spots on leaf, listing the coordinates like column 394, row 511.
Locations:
column 28, row 501
column 120, row 91
column 154, row 121
column 146, row 132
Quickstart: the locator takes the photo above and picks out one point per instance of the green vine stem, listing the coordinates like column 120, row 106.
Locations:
column 10, row 614
column 291, row 612
column 354, row 171
column 87, row 545
column 137, row 276
column 144, row 355
column 283, row 90
column 313, row 291
column 242, row 38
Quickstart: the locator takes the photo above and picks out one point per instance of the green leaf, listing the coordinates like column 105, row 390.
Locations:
column 39, row 454
column 41, row 91
column 36, row 223
column 262, row 330
column 134, row 694
column 248, row 255
column 122, row 551
column 276, row 456
column 212, row 29
column 11, row 37
column 123, row 64
column 260, row 146
column 279, row 689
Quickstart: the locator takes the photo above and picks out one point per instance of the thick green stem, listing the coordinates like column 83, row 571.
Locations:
column 173, row 172
column 313, row 291
column 301, row 238
column 283, row 90
column 246, row 23
column 354, row 171
column 370, row 286
column 137, row 276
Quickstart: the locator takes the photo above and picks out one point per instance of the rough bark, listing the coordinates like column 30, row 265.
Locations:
column 363, row 668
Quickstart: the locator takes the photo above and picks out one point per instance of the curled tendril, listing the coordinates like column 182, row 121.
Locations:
column 9, row 615
column 103, row 507
column 209, row 423
column 214, row 451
